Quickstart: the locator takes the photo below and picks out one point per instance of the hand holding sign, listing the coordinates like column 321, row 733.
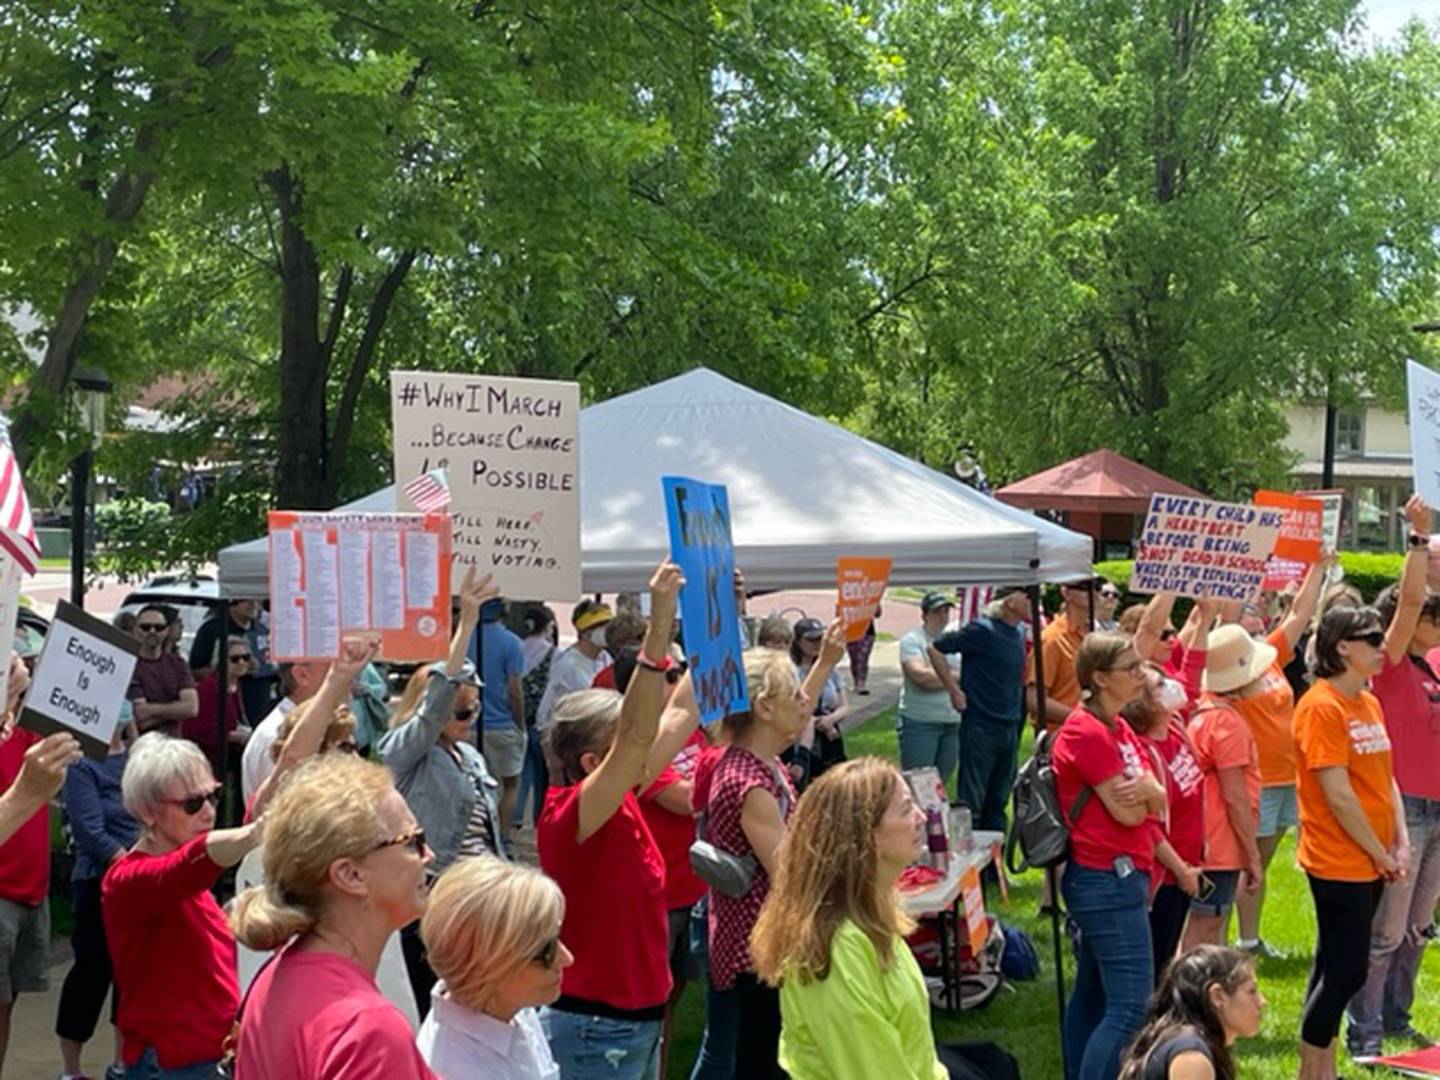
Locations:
column 1417, row 511
column 355, row 653
column 665, row 586
column 43, row 770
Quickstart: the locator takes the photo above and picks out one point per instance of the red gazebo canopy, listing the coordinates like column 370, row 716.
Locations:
column 1101, row 482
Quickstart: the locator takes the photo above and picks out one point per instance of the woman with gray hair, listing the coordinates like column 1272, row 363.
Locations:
column 173, row 954
column 344, row 869
column 492, row 931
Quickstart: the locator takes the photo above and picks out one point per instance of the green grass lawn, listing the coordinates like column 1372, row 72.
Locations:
column 1023, row 1018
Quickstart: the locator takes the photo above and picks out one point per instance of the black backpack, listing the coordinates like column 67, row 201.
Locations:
column 1038, row 827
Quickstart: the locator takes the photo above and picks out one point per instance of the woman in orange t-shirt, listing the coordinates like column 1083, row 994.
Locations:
column 1352, row 826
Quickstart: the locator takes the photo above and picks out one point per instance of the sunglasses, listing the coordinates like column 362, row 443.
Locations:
column 1109, row 594
column 547, row 954
column 414, row 839
column 1373, row 638
column 192, row 804
column 241, row 658
column 150, row 627
column 465, row 714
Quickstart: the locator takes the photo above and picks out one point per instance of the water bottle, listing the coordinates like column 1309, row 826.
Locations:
column 936, row 841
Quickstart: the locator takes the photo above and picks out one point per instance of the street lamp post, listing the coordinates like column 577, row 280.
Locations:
column 91, row 386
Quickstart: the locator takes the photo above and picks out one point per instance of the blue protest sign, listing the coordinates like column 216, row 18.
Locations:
column 700, row 544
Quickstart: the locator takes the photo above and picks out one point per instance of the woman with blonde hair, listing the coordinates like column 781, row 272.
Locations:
column 831, row 934
column 492, row 932
column 344, row 869
column 747, row 802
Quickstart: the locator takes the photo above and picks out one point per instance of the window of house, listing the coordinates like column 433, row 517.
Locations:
column 1349, row 432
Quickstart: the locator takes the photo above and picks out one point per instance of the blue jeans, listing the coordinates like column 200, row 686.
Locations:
column 1114, row 971
column 1407, row 908
column 716, row 1059
column 148, row 1068
column 988, row 753
column 928, row 743
column 602, row 1048
column 533, row 774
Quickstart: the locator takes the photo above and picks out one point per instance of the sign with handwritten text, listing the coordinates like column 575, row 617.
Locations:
column 340, row 573
column 80, row 680
column 698, row 515
column 1424, row 387
column 1195, row 547
column 861, row 584
column 510, row 449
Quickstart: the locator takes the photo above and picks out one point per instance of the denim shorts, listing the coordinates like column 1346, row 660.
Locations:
column 1223, row 898
column 1277, row 810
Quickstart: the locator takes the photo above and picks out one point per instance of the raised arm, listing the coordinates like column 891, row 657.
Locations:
column 309, row 734
column 1153, row 621
column 1412, row 583
column 681, row 717
column 1306, row 600
column 832, row 648
column 623, row 767
column 41, row 774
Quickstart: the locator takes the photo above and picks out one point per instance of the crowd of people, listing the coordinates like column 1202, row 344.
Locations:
column 750, row 854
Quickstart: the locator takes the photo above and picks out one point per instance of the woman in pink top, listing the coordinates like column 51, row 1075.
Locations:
column 344, row 869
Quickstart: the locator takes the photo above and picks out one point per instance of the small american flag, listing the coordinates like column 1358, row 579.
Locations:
column 429, row 491
column 17, row 529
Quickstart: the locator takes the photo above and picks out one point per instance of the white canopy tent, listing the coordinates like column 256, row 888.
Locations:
column 802, row 492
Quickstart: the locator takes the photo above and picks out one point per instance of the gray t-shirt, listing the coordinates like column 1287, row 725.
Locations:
column 916, row 703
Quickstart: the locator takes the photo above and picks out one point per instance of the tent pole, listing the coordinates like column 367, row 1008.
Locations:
column 1051, row 880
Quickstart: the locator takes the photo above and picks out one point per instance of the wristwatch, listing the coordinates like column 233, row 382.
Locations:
column 1418, row 541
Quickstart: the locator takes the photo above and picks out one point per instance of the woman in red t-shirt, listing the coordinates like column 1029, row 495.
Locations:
column 344, row 870
column 1100, row 760
column 1157, row 716
column 748, row 802
column 595, row 844
column 172, row 949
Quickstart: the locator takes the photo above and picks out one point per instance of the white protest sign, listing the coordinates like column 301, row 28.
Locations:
column 1424, row 388
column 511, row 452
column 80, row 679
column 1195, row 547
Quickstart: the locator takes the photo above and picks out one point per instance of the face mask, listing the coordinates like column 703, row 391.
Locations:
column 1172, row 695
column 596, row 636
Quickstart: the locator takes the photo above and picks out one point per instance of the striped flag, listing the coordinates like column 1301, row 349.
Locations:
column 17, row 529
column 429, row 491
column 971, row 602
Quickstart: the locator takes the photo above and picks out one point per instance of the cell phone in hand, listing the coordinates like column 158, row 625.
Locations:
column 1206, row 889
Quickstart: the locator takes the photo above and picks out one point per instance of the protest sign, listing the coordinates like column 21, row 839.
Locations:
column 698, row 515
column 1301, row 537
column 1424, row 392
column 1195, row 547
column 1332, row 501
column 861, row 584
column 510, row 449
column 80, row 679
column 332, row 574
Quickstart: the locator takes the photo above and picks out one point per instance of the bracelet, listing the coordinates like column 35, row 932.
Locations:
column 641, row 660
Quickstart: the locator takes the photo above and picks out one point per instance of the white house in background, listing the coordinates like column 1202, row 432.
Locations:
column 1372, row 464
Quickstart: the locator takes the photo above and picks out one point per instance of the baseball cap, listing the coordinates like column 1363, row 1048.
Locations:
column 933, row 600
column 1000, row 592
column 809, row 628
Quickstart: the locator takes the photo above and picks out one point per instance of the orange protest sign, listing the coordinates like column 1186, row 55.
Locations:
column 977, row 926
column 332, row 574
column 861, row 584
column 1302, row 533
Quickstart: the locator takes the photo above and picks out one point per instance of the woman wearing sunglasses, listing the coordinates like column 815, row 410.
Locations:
column 200, row 728
column 173, row 954
column 1352, row 820
column 344, row 869
column 430, row 748
column 492, row 931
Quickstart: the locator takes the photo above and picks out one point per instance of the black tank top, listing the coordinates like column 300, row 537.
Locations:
column 1184, row 1041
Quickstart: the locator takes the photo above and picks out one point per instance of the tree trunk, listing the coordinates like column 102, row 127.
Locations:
column 300, row 421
